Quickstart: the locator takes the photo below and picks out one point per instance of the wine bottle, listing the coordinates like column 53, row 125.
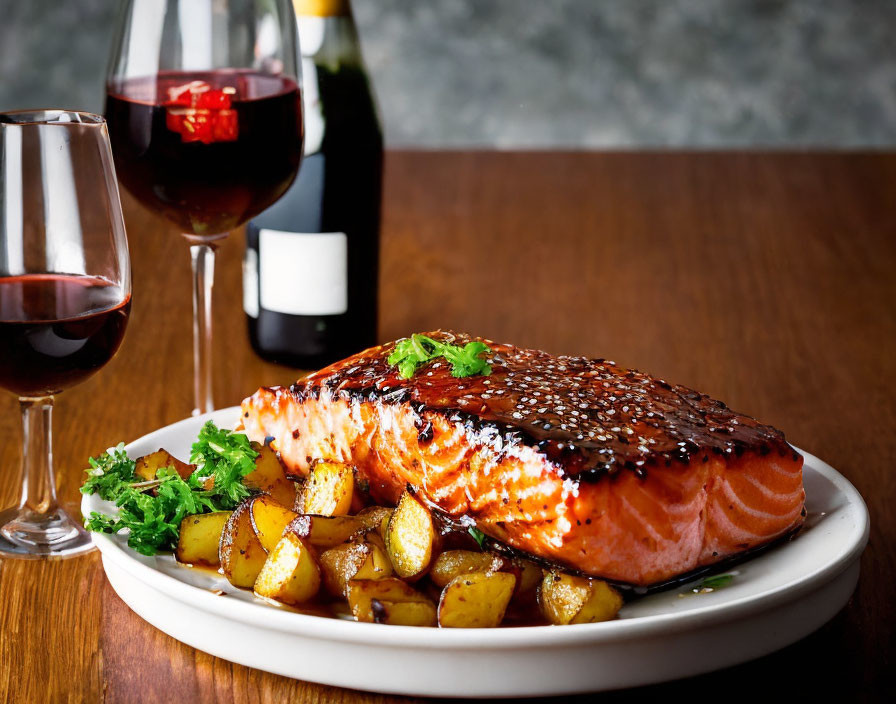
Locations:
column 310, row 270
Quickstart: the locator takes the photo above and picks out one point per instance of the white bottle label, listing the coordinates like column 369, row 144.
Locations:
column 250, row 283
column 303, row 273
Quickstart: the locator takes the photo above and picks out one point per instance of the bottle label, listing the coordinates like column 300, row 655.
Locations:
column 250, row 283
column 303, row 273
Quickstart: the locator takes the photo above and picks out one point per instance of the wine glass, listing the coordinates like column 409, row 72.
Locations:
column 205, row 117
column 65, row 295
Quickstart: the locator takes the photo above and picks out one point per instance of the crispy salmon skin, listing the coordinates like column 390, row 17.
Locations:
column 600, row 469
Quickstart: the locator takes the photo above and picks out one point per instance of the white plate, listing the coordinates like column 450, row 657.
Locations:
column 775, row 599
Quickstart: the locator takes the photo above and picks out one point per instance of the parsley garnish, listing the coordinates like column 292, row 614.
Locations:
column 227, row 456
column 109, row 473
column 154, row 518
column 478, row 536
column 717, row 582
column 419, row 349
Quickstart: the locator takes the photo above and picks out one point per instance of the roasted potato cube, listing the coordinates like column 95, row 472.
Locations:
column 452, row 563
column 290, row 574
column 404, row 613
column 200, row 537
column 339, row 564
column 269, row 520
column 565, row 598
column 376, row 542
column 329, row 489
column 269, row 476
column 476, row 600
column 375, row 518
column 326, row 531
column 529, row 578
column 389, row 601
column 410, row 537
column 147, row 466
column 361, row 559
column 241, row 553
column 377, row 565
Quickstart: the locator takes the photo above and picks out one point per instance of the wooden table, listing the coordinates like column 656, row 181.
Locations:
column 766, row 280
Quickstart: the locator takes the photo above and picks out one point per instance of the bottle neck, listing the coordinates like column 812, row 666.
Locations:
column 331, row 61
column 322, row 8
column 327, row 33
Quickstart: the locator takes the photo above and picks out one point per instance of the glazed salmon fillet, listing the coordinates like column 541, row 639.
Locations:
column 577, row 462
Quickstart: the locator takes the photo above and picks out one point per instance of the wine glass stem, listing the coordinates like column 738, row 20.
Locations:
column 203, row 257
column 38, row 483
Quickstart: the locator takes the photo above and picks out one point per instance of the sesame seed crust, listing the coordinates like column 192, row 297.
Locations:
column 589, row 417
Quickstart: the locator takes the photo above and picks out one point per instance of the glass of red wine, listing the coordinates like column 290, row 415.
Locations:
column 205, row 117
column 65, row 295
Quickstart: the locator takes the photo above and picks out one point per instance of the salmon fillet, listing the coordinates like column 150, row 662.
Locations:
column 579, row 462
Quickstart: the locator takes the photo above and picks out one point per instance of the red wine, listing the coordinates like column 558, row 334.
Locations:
column 57, row 329
column 312, row 259
column 207, row 150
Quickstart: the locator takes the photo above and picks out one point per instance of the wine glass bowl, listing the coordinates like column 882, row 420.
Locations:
column 205, row 117
column 65, row 293
column 206, row 150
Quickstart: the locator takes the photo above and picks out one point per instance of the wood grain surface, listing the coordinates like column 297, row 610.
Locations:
column 766, row 280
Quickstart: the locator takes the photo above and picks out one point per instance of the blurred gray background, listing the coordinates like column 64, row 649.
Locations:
column 557, row 73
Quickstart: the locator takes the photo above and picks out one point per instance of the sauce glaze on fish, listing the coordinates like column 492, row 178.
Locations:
column 602, row 469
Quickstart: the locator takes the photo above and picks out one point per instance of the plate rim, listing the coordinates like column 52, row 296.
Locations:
column 260, row 614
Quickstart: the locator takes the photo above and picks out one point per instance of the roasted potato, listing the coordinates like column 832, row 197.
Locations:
column 329, row 489
column 410, row 537
column 375, row 518
column 565, row 598
column 290, row 574
column 453, row 563
column 147, row 466
column 362, row 559
column 269, row 477
column 269, row 520
column 200, row 537
column 326, row 531
column 241, row 553
column 476, row 600
column 404, row 613
column 366, row 555
column 530, row 577
column 389, row 601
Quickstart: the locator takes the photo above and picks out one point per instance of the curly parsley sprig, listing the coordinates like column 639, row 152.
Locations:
column 418, row 349
column 110, row 473
column 153, row 519
column 228, row 457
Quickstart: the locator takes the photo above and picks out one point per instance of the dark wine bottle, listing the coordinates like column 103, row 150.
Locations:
column 310, row 272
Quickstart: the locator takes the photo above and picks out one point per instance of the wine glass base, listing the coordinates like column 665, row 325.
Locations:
column 25, row 534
